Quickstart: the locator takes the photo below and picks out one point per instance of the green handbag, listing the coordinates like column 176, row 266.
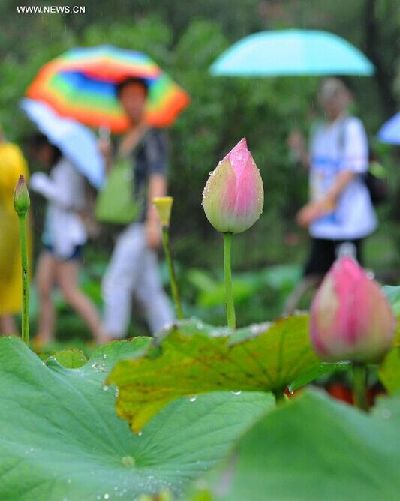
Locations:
column 115, row 203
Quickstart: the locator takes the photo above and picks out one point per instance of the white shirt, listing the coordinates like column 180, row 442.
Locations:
column 338, row 146
column 64, row 189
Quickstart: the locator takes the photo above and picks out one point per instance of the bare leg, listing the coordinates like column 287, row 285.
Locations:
column 45, row 278
column 67, row 280
column 7, row 325
column 150, row 293
column 121, row 279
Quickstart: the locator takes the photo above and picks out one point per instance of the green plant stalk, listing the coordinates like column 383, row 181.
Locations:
column 25, row 277
column 172, row 275
column 279, row 396
column 360, row 373
column 230, row 307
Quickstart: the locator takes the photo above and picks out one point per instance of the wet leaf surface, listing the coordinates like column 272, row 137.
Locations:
column 193, row 358
column 61, row 439
column 313, row 448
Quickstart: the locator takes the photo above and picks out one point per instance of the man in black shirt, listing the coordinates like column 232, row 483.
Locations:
column 133, row 266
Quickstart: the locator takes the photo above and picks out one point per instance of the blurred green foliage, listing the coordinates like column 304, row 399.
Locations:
column 184, row 38
column 222, row 111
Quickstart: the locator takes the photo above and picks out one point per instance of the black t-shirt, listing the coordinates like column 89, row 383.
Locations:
column 149, row 157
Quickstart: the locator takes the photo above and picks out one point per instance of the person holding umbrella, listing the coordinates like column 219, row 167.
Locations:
column 125, row 92
column 133, row 266
column 340, row 213
column 67, row 150
column 340, row 208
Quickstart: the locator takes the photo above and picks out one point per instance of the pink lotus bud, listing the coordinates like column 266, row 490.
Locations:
column 21, row 197
column 350, row 317
column 233, row 197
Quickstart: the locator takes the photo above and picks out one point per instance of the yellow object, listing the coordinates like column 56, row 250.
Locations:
column 12, row 165
column 163, row 206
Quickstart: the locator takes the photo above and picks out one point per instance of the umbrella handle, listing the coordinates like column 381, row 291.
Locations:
column 104, row 133
column 104, row 145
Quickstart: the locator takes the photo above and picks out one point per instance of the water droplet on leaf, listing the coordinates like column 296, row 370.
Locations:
column 128, row 461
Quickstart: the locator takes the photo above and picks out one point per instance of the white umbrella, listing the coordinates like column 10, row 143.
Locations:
column 77, row 142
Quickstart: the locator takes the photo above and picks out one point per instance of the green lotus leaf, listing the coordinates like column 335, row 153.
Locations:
column 62, row 440
column 193, row 358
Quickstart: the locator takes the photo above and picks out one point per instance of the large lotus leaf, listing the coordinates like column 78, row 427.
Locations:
column 71, row 359
column 193, row 358
column 315, row 448
column 389, row 370
column 61, row 439
column 392, row 292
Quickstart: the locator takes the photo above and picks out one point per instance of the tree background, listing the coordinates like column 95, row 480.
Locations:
column 185, row 38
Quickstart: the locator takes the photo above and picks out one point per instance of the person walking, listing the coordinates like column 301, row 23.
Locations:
column 340, row 214
column 63, row 239
column 133, row 270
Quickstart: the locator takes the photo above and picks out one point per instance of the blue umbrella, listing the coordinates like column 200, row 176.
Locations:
column 390, row 130
column 291, row 52
column 76, row 141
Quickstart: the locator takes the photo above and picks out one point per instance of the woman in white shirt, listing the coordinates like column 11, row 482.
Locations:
column 340, row 214
column 63, row 239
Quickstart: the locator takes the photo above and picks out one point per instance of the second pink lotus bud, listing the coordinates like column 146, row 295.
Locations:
column 351, row 319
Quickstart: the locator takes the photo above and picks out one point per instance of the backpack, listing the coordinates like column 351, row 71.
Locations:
column 375, row 179
column 88, row 213
column 116, row 203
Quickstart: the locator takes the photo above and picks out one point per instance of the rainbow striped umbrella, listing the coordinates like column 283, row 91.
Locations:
column 80, row 84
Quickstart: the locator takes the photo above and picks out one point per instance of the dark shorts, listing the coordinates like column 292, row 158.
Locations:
column 324, row 252
column 76, row 254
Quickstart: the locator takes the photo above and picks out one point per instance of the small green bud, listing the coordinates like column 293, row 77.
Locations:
column 21, row 198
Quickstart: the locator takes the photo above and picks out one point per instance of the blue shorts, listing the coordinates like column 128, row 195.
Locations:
column 323, row 254
column 75, row 255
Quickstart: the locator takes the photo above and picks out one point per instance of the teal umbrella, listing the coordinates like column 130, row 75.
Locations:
column 291, row 53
